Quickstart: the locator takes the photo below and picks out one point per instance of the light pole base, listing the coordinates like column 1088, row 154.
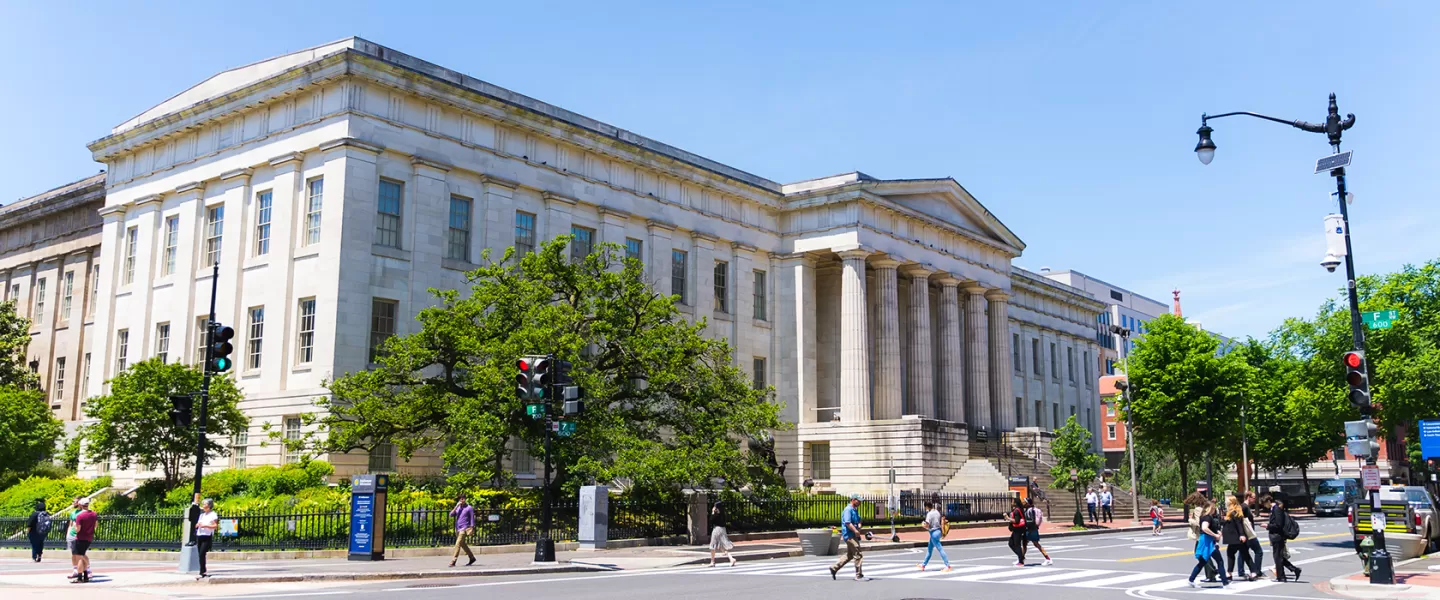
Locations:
column 544, row 551
column 1382, row 570
column 189, row 559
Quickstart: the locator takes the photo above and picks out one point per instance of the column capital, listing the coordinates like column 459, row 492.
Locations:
column 804, row 258
column 288, row 157
column 608, row 214
column 918, row 270
column 654, row 225
column 885, row 262
column 853, row 252
column 551, row 199
column 974, row 288
column 997, row 295
column 944, row 279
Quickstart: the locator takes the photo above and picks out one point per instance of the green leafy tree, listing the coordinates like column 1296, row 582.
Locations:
column 14, row 339
column 665, row 405
column 1072, row 450
column 1184, row 398
column 28, row 430
column 133, row 424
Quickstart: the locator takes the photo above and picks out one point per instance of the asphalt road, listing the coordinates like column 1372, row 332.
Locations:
column 1100, row 567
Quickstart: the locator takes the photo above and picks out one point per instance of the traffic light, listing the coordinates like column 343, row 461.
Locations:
column 180, row 410
column 1359, row 379
column 220, row 348
column 529, row 385
column 1362, row 438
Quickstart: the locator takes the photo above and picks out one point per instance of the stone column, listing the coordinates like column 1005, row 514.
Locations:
column 1002, row 403
column 951, row 398
column 613, row 224
column 918, row 353
column 660, row 249
column 977, row 358
column 854, row 364
column 889, row 403
column 796, row 367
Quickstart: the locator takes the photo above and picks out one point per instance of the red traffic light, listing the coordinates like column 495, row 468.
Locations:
column 1354, row 359
column 524, row 364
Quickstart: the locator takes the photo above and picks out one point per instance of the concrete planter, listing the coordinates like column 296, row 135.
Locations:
column 817, row 542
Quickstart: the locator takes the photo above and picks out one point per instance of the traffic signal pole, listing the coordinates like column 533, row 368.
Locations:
column 204, row 396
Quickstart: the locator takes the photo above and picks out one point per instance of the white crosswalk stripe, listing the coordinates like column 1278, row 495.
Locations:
column 993, row 574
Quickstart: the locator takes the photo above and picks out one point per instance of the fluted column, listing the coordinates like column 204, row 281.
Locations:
column 889, row 403
column 854, row 362
column 977, row 359
column 1002, row 400
column 918, row 353
column 951, row 396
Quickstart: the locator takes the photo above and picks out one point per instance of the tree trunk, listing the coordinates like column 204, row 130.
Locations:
column 1184, row 483
column 1305, row 478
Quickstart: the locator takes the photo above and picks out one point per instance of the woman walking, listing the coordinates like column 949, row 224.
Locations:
column 1233, row 534
column 719, row 539
column 1017, row 532
column 1157, row 518
column 1207, row 547
column 935, row 524
column 1033, row 519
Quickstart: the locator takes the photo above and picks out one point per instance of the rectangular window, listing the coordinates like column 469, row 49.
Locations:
column 13, row 293
column 314, row 200
column 1054, row 363
column 94, row 291
column 1015, row 358
column 1055, row 416
column 307, row 331
column 583, row 244
column 382, row 325
column 761, row 302
column 387, row 214
column 1070, row 363
column 759, row 370
column 162, row 342
column 634, row 249
column 122, row 349
column 255, row 340
column 263, row 202
column 39, row 301
column 1039, row 414
column 1085, row 370
column 722, row 286
column 67, row 293
column 59, row 379
column 172, row 244
column 524, row 233
column 520, row 461
column 382, row 458
column 201, row 333
column 214, row 228
column 458, row 245
column 132, row 244
column 85, row 378
column 292, row 434
column 820, row 461
column 678, row 258
column 1110, row 410
column 239, row 449
column 1110, row 431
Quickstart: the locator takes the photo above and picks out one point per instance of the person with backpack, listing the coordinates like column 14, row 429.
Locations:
column 1207, row 547
column 1157, row 518
column 1033, row 519
column 936, row 524
column 1282, row 528
column 37, row 528
column 1017, row 532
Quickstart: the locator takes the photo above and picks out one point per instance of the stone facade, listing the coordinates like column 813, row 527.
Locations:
column 336, row 184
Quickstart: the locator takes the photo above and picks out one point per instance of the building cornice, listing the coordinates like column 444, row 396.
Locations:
column 350, row 142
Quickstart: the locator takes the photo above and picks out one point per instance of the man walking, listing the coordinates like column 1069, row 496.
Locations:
column 464, row 516
column 1281, row 521
column 37, row 528
column 1091, row 499
column 1107, row 500
column 850, row 532
column 84, row 534
column 70, row 535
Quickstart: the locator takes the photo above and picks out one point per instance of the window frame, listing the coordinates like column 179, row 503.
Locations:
column 1036, row 357
column 67, row 295
column 59, row 379
column 1017, row 354
column 635, row 248
column 288, row 434
column 377, row 320
column 305, row 331
column 122, row 349
column 132, row 248
column 680, row 275
column 94, row 291
column 162, row 341
column 761, row 293
column 582, row 243
column 264, row 215
column 254, row 337
column 314, row 210
column 214, row 234
column 172, row 245
column 240, row 449
column 815, row 463
column 385, row 453
column 39, row 320
column 525, row 224
column 758, row 372
column 389, row 223
column 459, row 249
column 722, row 286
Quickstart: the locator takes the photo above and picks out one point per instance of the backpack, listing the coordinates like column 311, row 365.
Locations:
column 43, row 523
column 1035, row 517
column 1291, row 527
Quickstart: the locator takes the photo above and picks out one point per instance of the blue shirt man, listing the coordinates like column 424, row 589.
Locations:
column 850, row 532
column 851, row 516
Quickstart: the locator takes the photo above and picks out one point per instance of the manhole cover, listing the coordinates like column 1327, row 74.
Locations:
column 431, row 585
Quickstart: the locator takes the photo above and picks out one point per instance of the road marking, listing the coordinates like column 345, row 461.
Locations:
column 1237, row 587
column 918, row 574
column 293, row 595
column 1062, row 575
column 1095, row 583
column 1015, row 572
column 1322, row 558
column 1266, row 543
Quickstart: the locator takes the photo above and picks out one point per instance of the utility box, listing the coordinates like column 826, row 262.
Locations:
column 594, row 517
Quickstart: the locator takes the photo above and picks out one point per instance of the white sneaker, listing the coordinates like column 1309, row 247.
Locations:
column 1193, row 584
column 1047, row 563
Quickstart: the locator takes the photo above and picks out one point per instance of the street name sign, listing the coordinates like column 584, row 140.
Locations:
column 1380, row 319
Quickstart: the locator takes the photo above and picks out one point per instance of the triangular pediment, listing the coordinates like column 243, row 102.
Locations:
column 948, row 202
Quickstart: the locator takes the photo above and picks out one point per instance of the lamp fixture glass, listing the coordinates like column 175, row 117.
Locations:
column 1205, row 150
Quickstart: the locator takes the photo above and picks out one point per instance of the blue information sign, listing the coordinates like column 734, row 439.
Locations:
column 1429, row 439
column 362, row 523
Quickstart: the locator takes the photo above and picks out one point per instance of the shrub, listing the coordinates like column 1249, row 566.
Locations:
column 18, row 500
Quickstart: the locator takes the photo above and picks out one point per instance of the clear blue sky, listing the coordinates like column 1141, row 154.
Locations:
column 1072, row 122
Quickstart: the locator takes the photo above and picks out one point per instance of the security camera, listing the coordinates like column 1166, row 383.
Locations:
column 1330, row 262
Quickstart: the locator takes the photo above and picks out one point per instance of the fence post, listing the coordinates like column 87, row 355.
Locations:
column 699, row 521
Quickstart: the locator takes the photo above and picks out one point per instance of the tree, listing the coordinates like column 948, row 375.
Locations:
column 1183, row 396
column 134, row 426
column 14, row 339
column 1071, row 448
column 28, row 430
column 665, row 406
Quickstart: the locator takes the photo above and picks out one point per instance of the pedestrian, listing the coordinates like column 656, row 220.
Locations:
column 1254, row 552
column 71, row 533
column 1017, row 531
column 205, row 528
column 1197, row 501
column 464, row 516
column 37, row 528
column 1091, row 499
column 1207, row 547
column 935, row 524
column 85, row 521
column 850, row 532
column 1233, row 534
column 1107, row 500
column 1280, row 521
column 719, row 538
column 1033, row 519
column 1157, row 518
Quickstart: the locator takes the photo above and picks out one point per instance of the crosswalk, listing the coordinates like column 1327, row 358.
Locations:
column 989, row 573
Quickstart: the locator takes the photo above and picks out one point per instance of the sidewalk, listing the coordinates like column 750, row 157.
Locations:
column 1415, row 578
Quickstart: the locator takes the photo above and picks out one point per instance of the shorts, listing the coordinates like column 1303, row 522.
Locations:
column 1155, row 522
column 70, row 545
column 1033, row 535
column 80, row 547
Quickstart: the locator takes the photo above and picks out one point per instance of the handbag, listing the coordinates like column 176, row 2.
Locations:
column 1249, row 530
column 944, row 526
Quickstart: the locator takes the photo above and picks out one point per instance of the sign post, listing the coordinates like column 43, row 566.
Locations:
column 367, row 517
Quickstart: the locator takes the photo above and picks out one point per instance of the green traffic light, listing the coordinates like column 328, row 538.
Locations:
column 222, row 364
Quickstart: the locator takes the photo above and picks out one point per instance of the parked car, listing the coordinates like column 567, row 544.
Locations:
column 1336, row 496
column 1427, row 518
column 1412, row 520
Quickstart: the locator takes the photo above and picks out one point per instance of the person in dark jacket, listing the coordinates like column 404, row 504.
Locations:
column 1252, row 543
column 1232, row 532
column 1276, row 528
column 37, row 527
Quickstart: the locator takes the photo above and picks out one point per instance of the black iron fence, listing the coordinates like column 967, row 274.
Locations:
column 781, row 514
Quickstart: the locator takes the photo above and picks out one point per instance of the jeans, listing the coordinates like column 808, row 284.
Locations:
column 202, row 545
column 37, row 546
column 1092, row 512
column 1257, row 555
column 852, row 552
column 1105, row 511
column 1217, row 559
column 933, row 546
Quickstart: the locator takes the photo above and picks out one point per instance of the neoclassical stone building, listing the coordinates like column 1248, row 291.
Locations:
column 334, row 185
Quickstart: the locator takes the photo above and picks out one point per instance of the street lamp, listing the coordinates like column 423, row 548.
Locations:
column 1124, row 386
column 1381, row 569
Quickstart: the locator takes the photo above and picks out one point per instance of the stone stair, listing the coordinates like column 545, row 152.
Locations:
column 977, row 476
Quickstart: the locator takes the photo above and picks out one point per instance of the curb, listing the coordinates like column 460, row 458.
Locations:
column 1344, row 583
column 384, row 575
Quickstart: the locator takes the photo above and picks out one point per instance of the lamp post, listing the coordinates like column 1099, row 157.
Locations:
column 1381, row 569
column 1124, row 386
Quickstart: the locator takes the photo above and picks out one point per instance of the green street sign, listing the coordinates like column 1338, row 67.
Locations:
column 567, row 428
column 1382, row 319
column 535, row 410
